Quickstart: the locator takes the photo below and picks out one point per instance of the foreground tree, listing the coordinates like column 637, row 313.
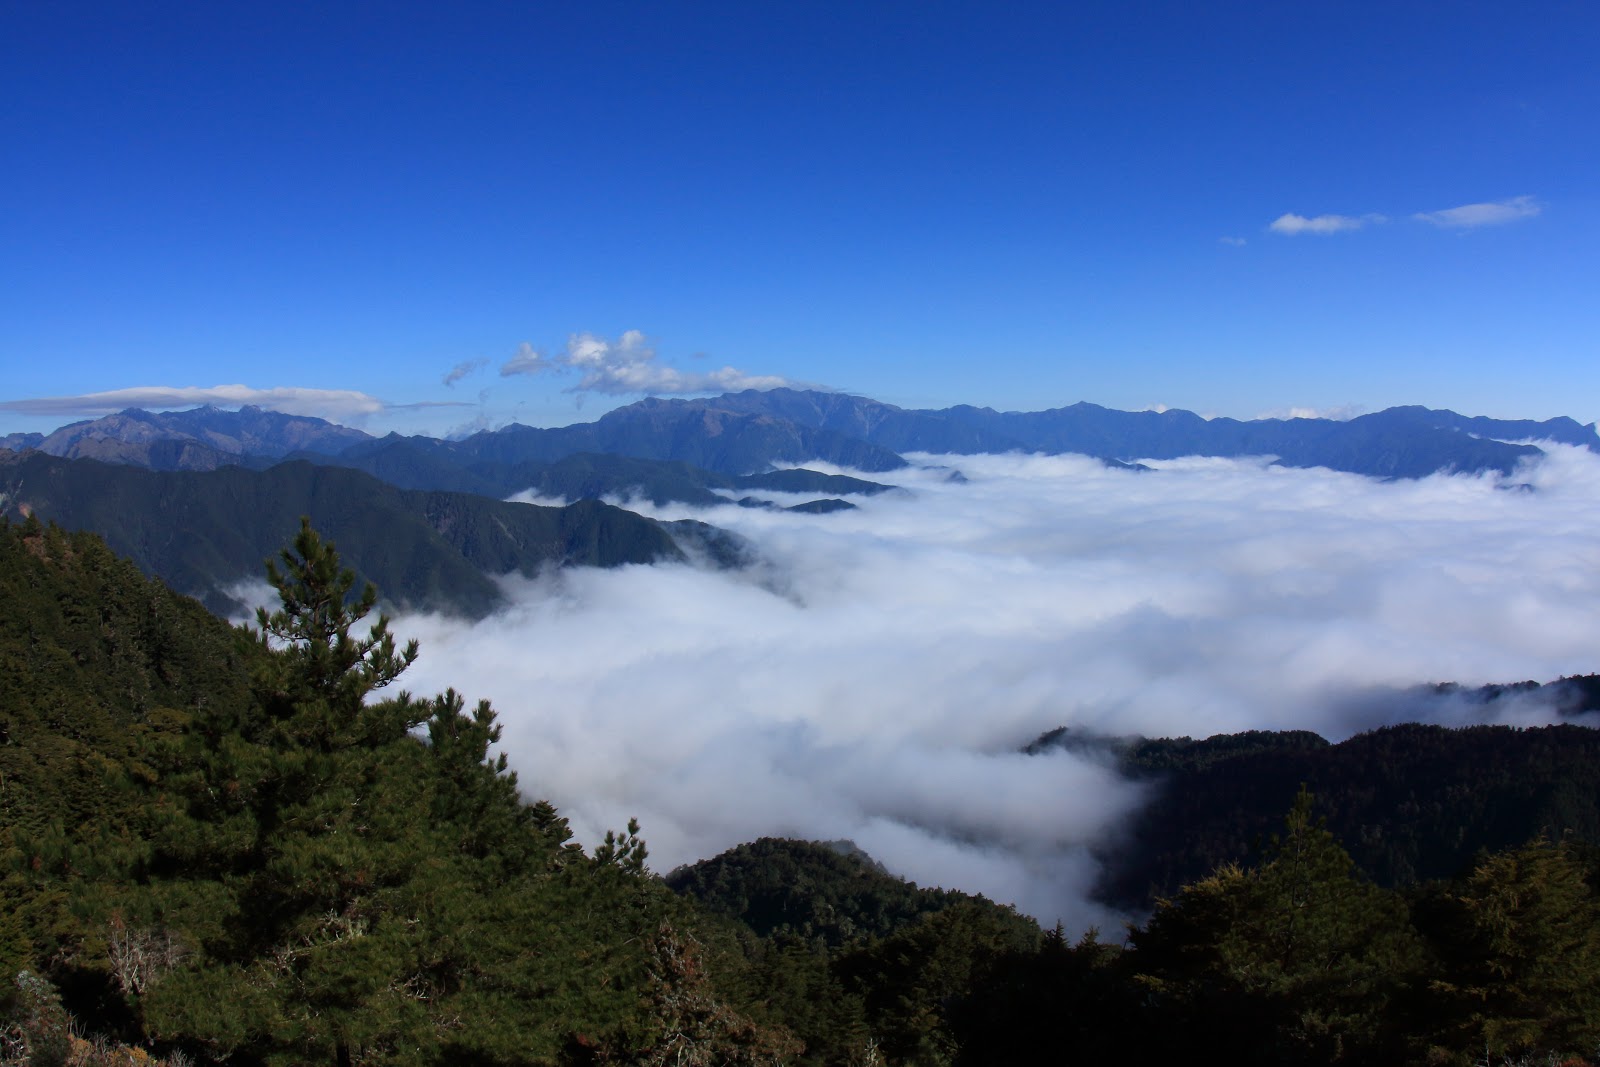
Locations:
column 1300, row 960
column 316, row 883
column 1520, row 946
column 315, row 675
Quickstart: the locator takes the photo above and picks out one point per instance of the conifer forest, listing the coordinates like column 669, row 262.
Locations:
column 254, row 846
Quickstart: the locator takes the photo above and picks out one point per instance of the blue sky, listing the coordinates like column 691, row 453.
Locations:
column 1234, row 208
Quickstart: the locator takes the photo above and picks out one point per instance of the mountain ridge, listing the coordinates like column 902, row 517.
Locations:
column 751, row 432
column 203, row 531
column 211, row 434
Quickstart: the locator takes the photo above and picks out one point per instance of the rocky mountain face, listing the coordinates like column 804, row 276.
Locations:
column 202, row 438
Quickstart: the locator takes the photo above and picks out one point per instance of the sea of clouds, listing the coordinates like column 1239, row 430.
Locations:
column 874, row 675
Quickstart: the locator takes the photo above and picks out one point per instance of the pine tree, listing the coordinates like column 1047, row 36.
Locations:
column 1296, row 961
column 322, row 673
column 1521, row 944
column 690, row 1024
column 236, row 845
column 315, row 881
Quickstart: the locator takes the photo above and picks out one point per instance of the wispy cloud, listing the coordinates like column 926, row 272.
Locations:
column 423, row 405
column 477, row 424
column 627, row 366
column 464, row 368
column 1465, row 217
column 1292, row 225
column 334, row 404
column 1495, row 213
column 1233, row 242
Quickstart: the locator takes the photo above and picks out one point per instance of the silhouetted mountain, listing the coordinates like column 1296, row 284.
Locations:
column 202, row 532
column 829, row 891
column 423, row 463
column 1374, row 445
column 867, row 420
column 18, row 442
column 1562, row 429
column 825, row 506
column 801, row 480
column 711, row 437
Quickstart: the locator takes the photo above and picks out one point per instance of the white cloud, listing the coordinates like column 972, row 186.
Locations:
column 1468, row 216
column 1293, row 225
column 333, row 404
column 875, row 676
column 1338, row 412
column 464, row 368
column 628, row 366
column 1235, row 242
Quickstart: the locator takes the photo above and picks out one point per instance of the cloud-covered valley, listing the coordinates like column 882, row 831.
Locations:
column 875, row 674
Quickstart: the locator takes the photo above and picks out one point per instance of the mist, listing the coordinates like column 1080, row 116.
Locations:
column 875, row 672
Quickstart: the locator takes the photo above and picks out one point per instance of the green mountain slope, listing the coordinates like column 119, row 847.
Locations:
column 220, row 849
column 1409, row 802
column 217, row 848
column 422, row 463
column 204, row 531
column 830, row 892
column 96, row 660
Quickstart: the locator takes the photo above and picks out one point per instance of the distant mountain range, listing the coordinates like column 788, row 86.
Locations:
column 1402, row 442
column 201, row 497
column 202, row 438
column 707, row 442
column 683, row 457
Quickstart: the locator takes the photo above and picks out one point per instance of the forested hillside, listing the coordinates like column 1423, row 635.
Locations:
column 1412, row 803
column 251, row 846
column 217, row 846
column 205, row 531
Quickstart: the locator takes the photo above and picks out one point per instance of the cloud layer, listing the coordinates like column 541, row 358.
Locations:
column 875, row 676
column 628, row 366
column 333, row 404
